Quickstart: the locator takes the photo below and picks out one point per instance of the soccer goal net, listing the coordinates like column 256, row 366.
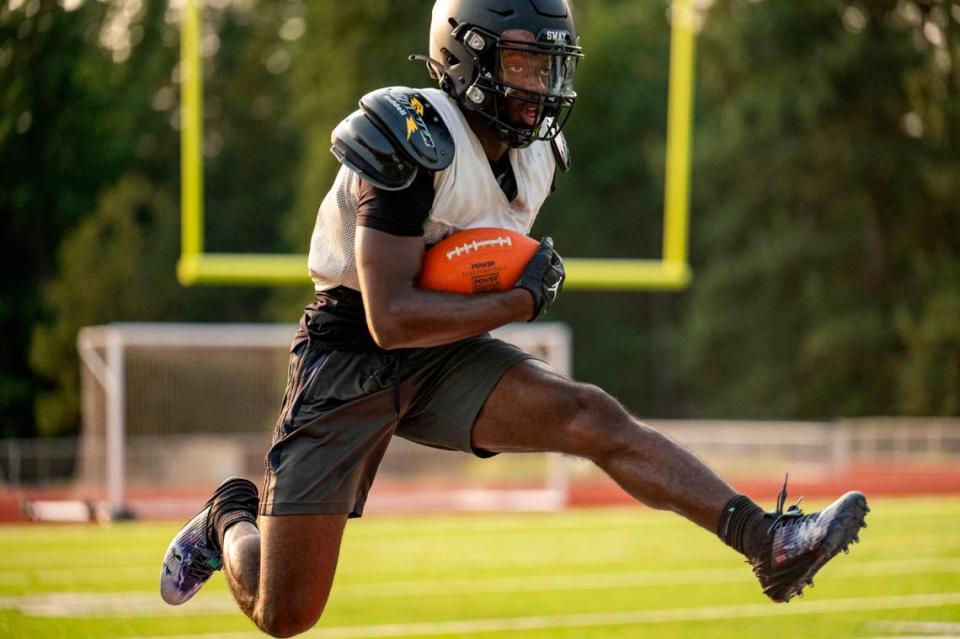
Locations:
column 171, row 409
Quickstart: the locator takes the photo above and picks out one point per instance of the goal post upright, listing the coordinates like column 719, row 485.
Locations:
column 109, row 372
column 116, row 428
column 679, row 134
column 669, row 273
column 191, row 141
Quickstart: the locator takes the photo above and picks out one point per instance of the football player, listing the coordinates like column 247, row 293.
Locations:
column 376, row 356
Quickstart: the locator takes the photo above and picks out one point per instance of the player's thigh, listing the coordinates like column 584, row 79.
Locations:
column 298, row 560
column 535, row 408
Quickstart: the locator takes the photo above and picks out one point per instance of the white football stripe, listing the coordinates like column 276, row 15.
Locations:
column 475, row 246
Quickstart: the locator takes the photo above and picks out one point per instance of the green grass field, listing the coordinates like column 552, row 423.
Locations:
column 585, row 573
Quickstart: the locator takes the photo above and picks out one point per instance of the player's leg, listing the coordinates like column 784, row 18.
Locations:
column 281, row 574
column 338, row 416
column 533, row 408
column 484, row 395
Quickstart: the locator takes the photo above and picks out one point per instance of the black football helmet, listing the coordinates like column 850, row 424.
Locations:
column 510, row 61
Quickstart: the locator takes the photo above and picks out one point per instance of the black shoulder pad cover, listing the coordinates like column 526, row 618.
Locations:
column 363, row 148
column 561, row 152
column 395, row 133
column 413, row 123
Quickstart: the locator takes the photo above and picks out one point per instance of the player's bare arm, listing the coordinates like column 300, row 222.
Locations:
column 400, row 315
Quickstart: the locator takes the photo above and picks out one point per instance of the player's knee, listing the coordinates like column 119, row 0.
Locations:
column 289, row 621
column 598, row 424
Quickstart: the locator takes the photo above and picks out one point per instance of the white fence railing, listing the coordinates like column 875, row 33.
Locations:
column 754, row 446
column 37, row 462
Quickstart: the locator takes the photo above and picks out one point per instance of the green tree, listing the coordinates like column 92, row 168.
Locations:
column 106, row 265
column 348, row 50
column 53, row 159
column 119, row 262
column 611, row 203
column 826, row 228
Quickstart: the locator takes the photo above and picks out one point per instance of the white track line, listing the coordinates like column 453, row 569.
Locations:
column 363, row 568
column 525, row 583
column 610, row 580
column 78, row 604
column 920, row 627
column 113, row 604
column 623, row 618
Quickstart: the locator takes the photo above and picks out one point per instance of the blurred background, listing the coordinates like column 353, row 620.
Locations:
column 825, row 238
column 820, row 335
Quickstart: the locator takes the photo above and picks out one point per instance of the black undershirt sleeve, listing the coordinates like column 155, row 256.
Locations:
column 400, row 212
column 403, row 212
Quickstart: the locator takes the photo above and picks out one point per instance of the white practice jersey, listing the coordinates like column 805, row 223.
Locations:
column 467, row 195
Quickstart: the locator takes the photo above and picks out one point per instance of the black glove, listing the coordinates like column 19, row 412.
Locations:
column 543, row 277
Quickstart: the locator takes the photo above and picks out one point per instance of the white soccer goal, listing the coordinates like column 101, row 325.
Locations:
column 168, row 408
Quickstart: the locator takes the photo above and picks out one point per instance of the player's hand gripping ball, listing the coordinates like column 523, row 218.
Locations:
column 477, row 261
column 543, row 277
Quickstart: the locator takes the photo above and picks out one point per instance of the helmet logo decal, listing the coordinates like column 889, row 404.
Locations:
column 475, row 41
column 411, row 127
column 554, row 35
column 417, row 105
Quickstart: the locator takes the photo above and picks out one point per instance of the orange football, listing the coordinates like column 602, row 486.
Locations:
column 477, row 261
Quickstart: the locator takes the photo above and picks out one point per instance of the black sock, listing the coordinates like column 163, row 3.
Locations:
column 742, row 526
column 234, row 501
column 229, row 518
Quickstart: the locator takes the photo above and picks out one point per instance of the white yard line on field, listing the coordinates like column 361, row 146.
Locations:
column 628, row 617
column 73, row 604
column 113, row 574
column 384, row 568
column 608, row 580
column 442, row 586
column 920, row 627
column 85, row 604
column 113, row 604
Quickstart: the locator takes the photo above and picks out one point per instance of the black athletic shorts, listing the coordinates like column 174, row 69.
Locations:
column 341, row 407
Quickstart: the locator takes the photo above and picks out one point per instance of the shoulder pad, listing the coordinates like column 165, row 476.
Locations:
column 561, row 152
column 395, row 133
column 363, row 148
column 413, row 124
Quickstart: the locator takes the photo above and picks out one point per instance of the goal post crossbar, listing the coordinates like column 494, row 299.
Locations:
column 252, row 269
column 671, row 272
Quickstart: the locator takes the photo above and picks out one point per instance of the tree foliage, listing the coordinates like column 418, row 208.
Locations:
column 826, row 207
column 100, row 177
column 828, row 223
column 48, row 178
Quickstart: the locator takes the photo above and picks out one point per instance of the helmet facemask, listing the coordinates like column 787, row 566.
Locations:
column 524, row 88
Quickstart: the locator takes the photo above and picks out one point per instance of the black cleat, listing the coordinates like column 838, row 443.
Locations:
column 800, row 545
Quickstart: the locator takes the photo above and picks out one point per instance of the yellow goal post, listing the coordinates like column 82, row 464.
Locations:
column 670, row 272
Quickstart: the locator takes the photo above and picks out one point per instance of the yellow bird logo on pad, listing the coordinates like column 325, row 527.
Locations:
column 417, row 106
